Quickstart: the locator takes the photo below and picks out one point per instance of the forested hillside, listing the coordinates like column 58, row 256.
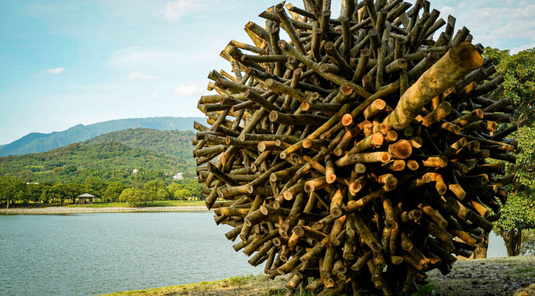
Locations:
column 170, row 142
column 39, row 142
column 110, row 161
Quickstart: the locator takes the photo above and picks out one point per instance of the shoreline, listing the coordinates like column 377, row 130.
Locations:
column 499, row 276
column 82, row 210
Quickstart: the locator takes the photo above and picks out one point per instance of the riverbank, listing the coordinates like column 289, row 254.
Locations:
column 509, row 276
column 83, row 210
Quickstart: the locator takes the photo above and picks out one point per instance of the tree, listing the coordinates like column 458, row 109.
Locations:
column 518, row 214
column 194, row 188
column 113, row 191
column 33, row 192
column 60, row 191
column 133, row 196
column 518, row 71
column 519, row 84
column 11, row 189
column 182, row 194
column 95, row 186
column 47, row 193
column 162, row 194
column 172, row 188
column 152, row 189
column 72, row 190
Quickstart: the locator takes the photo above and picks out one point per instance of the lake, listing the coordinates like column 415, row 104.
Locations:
column 87, row 254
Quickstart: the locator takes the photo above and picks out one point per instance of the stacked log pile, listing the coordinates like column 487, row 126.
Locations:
column 361, row 153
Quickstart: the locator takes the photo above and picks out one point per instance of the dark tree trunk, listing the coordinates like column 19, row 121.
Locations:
column 481, row 248
column 513, row 240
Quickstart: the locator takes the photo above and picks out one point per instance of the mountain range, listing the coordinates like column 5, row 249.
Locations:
column 40, row 142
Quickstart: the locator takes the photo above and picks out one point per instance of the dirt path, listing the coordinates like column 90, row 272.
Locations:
column 487, row 277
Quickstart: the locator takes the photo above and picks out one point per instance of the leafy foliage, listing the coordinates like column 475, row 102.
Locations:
column 518, row 71
column 170, row 142
column 11, row 188
column 519, row 83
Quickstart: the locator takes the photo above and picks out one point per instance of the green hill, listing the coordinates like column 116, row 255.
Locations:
column 111, row 161
column 170, row 142
column 39, row 142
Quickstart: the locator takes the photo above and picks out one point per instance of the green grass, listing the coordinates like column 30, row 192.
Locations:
column 524, row 269
column 164, row 203
column 523, row 272
column 179, row 203
column 425, row 290
column 100, row 205
column 237, row 281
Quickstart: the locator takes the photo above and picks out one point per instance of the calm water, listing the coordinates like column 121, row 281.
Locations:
column 89, row 254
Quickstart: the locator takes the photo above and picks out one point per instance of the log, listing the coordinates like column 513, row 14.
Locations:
column 456, row 63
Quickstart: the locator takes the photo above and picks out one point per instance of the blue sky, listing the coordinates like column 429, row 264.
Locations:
column 86, row 61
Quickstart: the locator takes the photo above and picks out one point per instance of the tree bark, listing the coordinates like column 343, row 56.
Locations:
column 513, row 240
column 481, row 248
column 457, row 62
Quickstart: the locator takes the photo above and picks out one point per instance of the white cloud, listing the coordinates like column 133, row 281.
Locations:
column 55, row 70
column 445, row 11
column 512, row 23
column 154, row 96
column 187, row 90
column 521, row 48
column 141, row 76
column 174, row 10
column 495, row 23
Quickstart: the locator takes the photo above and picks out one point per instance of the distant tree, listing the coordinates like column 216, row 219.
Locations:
column 33, row 192
column 172, row 188
column 193, row 187
column 113, row 191
column 60, row 192
column 182, row 194
column 47, row 193
column 162, row 194
column 153, row 187
column 133, row 196
column 72, row 190
column 11, row 189
column 95, row 186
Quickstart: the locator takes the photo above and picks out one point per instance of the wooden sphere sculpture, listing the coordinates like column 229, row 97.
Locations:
column 361, row 153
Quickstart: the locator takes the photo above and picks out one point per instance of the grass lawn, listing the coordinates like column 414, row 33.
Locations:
column 163, row 203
